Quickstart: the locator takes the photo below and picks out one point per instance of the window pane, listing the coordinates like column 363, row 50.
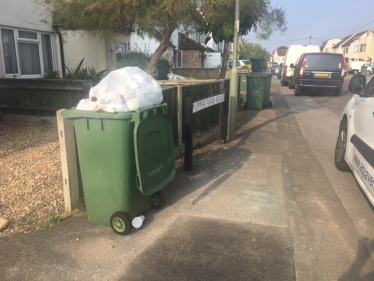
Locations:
column 27, row 35
column 29, row 58
column 47, row 52
column 9, row 49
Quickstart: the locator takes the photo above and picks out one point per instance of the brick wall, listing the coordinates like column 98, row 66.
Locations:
column 191, row 59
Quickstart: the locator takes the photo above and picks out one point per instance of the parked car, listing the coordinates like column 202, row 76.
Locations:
column 370, row 68
column 318, row 71
column 293, row 52
column 354, row 149
column 275, row 69
column 242, row 64
column 280, row 71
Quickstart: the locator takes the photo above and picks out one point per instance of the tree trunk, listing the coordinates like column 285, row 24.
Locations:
column 164, row 42
column 225, row 58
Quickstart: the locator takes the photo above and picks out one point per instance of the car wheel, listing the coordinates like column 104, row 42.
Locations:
column 355, row 71
column 340, row 147
column 284, row 83
column 297, row 91
column 290, row 84
column 336, row 93
column 369, row 72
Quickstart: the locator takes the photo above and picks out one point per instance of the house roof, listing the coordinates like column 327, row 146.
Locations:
column 337, row 45
column 208, row 49
column 353, row 38
column 281, row 52
column 186, row 43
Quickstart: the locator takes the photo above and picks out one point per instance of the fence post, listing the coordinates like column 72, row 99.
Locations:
column 188, row 137
column 69, row 163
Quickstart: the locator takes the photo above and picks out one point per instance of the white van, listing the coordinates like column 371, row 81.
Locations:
column 293, row 52
column 355, row 66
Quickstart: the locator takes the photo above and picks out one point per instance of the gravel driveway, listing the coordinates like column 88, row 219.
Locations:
column 31, row 188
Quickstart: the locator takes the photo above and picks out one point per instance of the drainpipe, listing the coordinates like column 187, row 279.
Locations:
column 61, row 41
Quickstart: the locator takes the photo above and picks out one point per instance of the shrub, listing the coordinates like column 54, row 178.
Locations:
column 86, row 73
column 142, row 59
column 53, row 74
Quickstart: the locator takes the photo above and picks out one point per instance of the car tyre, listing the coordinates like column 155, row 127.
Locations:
column 290, row 84
column 340, row 148
column 297, row 91
column 355, row 71
column 283, row 83
column 336, row 93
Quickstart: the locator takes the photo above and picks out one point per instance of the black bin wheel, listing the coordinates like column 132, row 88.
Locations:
column 157, row 200
column 120, row 223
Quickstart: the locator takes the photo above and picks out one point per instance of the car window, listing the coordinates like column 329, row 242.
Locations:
column 323, row 62
column 229, row 64
column 369, row 89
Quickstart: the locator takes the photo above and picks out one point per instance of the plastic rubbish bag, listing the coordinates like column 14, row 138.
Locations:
column 124, row 89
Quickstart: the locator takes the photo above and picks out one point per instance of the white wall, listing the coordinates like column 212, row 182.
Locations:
column 24, row 14
column 77, row 47
column 212, row 60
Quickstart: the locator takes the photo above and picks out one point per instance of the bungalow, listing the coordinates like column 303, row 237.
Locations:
column 32, row 46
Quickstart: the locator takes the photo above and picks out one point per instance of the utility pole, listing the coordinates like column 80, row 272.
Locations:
column 310, row 40
column 233, row 98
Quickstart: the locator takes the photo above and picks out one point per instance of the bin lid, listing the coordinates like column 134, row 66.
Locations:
column 154, row 150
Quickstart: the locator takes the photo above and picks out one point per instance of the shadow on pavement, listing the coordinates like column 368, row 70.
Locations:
column 357, row 270
column 195, row 248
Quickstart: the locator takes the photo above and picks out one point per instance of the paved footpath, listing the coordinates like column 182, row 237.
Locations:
column 268, row 206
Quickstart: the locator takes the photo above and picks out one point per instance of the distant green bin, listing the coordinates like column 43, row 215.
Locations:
column 267, row 90
column 125, row 158
column 256, row 84
column 364, row 70
column 258, row 64
column 242, row 75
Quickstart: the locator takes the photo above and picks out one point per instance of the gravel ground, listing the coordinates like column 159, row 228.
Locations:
column 31, row 187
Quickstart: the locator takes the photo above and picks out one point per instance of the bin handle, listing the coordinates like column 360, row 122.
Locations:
column 144, row 113
column 137, row 181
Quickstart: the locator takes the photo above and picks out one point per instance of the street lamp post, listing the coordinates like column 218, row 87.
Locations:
column 233, row 100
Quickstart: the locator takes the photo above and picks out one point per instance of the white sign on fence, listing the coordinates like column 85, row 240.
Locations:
column 199, row 105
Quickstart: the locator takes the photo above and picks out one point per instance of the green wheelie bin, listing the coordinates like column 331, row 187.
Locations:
column 267, row 102
column 256, row 83
column 125, row 159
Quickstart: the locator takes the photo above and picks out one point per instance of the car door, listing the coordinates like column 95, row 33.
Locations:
column 363, row 139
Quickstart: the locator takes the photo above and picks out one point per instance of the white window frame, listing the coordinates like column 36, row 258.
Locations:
column 26, row 40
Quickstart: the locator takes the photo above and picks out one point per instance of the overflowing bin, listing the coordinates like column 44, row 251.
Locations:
column 256, row 84
column 125, row 159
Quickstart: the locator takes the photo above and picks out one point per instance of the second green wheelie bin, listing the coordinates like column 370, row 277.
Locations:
column 256, row 83
column 267, row 102
column 125, row 159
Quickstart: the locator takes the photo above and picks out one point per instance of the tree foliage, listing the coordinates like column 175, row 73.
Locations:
column 157, row 18
column 219, row 19
column 249, row 50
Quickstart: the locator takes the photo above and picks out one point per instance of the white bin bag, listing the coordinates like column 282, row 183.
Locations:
column 124, row 89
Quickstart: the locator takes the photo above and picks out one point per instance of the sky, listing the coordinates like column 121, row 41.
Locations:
column 319, row 19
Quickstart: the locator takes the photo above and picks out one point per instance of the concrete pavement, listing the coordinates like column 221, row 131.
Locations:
column 269, row 205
